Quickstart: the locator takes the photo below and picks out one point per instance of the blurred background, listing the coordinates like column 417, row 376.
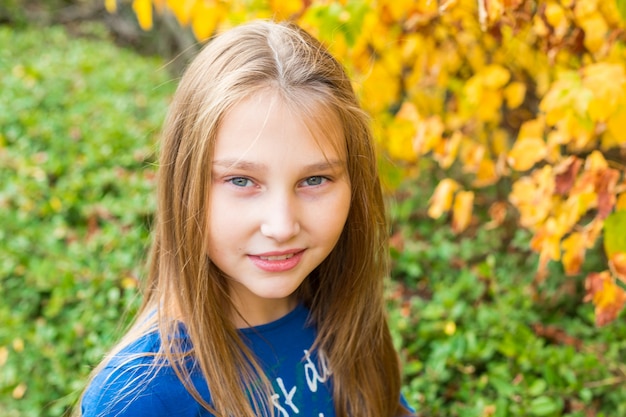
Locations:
column 500, row 126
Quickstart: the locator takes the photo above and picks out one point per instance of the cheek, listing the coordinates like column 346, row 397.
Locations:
column 335, row 215
column 222, row 223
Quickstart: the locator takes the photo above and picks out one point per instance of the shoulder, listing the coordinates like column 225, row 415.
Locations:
column 133, row 384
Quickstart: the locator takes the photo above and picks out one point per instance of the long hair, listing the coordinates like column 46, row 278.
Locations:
column 344, row 293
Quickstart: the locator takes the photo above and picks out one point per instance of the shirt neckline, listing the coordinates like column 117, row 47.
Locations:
column 263, row 328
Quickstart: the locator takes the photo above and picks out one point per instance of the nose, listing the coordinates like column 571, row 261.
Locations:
column 280, row 218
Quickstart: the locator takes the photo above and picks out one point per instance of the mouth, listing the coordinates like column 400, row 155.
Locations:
column 277, row 261
column 277, row 257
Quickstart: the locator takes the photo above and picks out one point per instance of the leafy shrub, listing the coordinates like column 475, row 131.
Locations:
column 78, row 120
column 480, row 337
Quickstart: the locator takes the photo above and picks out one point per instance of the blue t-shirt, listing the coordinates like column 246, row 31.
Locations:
column 301, row 381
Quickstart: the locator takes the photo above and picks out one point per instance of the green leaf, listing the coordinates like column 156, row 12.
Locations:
column 614, row 228
column 538, row 387
column 544, row 406
column 621, row 7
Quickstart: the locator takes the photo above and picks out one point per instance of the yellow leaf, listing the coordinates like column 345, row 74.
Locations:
column 563, row 96
column 620, row 204
column 584, row 8
column 579, row 132
column 143, row 10
column 526, row 153
column 441, row 201
column 573, row 252
column 611, row 12
column 583, row 199
column 495, row 9
column 606, row 97
column 499, row 143
column 401, row 132
column 596, row 162
column 595, row 29
column 532, row 196
column 555, row 139
column 593, row 231
column 182, row 10
column 532, row 128
column 129, row 282
column 607, row 297
column 110, row 5
column 495, row 76
column 450, row 328
column 286, row 9
column 399, row 141
column 617, row 263
column 600, row 111
column 547, row 242
column 486, row 174
column 205, row 17
column 414, row 44
column 555, row 15
column 539, row 26
column 375, row 98
column 408, row 111
column 489, row 107
column 471, row 155
column 473, row 90
column 462, row 210
column 566, row 215
column 429, row 134
column 615, row 136
column 446, row 150
column 514, row 94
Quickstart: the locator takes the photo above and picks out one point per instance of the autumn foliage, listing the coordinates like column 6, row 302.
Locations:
column 526, row 94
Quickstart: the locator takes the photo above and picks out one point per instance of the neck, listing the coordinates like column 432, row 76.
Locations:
column 246, row 315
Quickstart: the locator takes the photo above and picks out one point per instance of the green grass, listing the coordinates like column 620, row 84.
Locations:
column 78, row 125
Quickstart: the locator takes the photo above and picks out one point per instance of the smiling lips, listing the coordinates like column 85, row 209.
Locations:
column 277, row 261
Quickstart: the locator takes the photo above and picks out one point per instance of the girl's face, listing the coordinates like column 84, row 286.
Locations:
column 279, row 201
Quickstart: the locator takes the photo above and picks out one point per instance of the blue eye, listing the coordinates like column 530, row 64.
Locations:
column 240, row 181
column 316, row 180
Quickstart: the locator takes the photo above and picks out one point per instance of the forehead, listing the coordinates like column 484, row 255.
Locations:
column 266, row 122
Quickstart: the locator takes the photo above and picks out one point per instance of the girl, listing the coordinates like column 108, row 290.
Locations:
column 264, row 294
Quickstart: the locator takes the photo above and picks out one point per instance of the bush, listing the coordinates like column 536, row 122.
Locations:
column 478, row 335
column 78, row 121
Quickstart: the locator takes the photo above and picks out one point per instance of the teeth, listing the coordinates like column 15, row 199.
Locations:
column 276, row 258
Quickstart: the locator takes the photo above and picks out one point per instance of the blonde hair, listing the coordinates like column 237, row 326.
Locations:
column 344, row 293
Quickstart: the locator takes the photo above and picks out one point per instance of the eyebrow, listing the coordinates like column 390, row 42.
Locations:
column 244, row 165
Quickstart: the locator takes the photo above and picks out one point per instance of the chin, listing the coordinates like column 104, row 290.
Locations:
column 276, row 294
